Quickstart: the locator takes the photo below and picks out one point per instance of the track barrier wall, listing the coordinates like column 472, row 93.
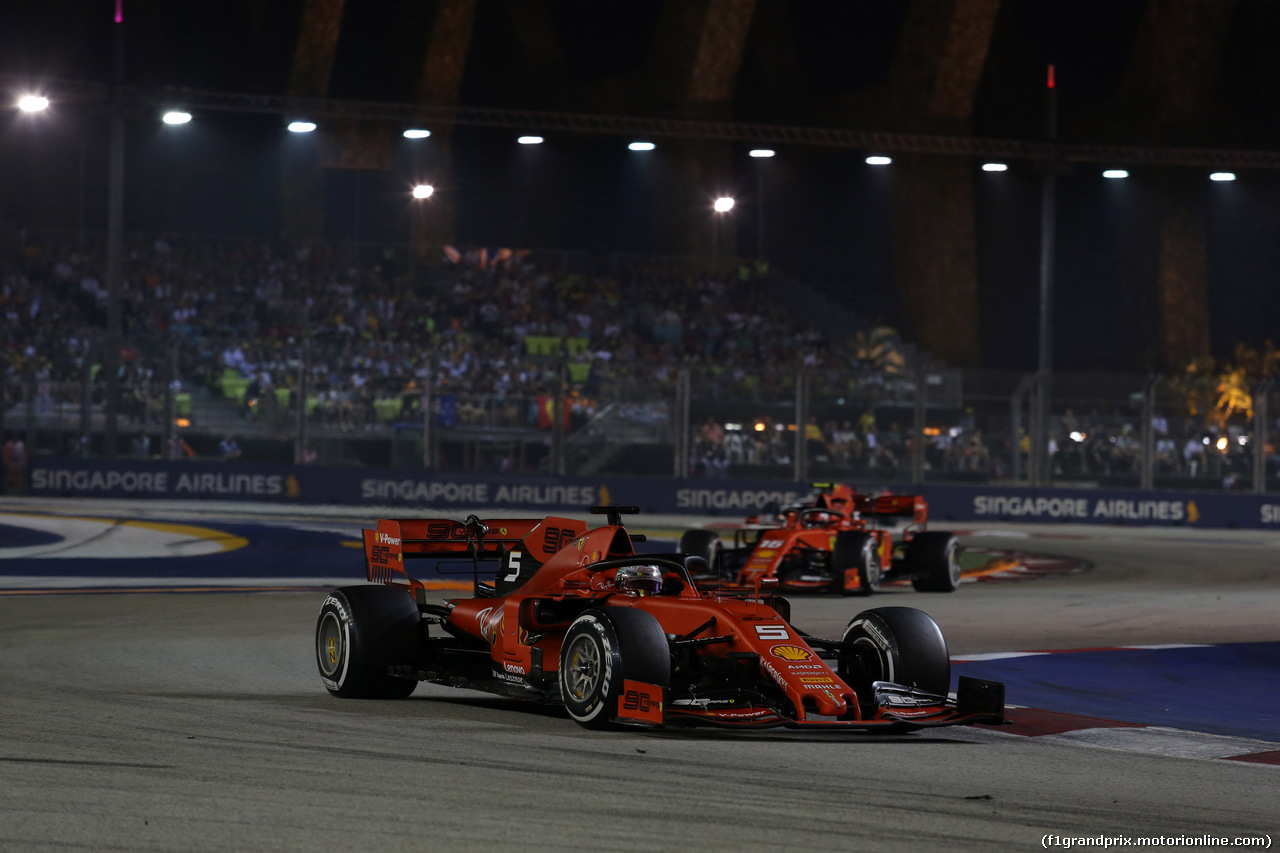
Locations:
column 445, row 490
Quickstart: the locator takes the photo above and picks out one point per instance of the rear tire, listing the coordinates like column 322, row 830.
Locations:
column 902, row 645
column 934, row 558
column 602, row 649
column 361, row 632
column 856, row 550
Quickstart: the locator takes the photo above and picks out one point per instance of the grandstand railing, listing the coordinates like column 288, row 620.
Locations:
column 1112, row 430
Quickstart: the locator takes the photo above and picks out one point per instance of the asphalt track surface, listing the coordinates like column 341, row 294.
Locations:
column 162, row 721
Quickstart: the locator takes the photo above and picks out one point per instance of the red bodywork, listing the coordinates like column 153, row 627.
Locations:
column 562, row 568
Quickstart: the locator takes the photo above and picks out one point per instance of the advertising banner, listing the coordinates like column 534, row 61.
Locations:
column 1099, row 506
column 156, row 478
column 732, row 499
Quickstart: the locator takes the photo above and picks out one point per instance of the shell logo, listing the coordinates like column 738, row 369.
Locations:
column 790, row 653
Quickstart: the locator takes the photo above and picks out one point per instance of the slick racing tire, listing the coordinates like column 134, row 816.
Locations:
column 602, row 649
column 934, row 559
column 361, row 633
column 705, row 544
column 856, row 550
column 897, row 644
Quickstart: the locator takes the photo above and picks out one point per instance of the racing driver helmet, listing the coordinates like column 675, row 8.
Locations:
column 643, row 580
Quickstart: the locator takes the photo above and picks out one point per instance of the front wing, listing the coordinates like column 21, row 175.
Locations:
column 897, row 709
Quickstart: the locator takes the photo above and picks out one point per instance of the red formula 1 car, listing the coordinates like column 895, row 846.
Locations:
column 575, row 617
column 834, row 540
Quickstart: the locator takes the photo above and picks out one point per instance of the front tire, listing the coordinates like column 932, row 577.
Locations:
column 363, row 631
column 901, row 645
column 856, row 551
column 934, row 558
column 602, row 649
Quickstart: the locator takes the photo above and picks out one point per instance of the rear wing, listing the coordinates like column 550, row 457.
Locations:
column 913, row 506
column 396, row 540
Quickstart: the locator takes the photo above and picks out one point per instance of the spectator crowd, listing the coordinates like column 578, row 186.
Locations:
column 264, row 314
column 493, row 337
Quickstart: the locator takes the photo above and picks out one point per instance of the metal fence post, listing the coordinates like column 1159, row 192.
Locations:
column 1148, row 435
column 1260, row 434
column 1015, row 425
column 1039, row 462
column 802, row 420
column 304, row 368
column 30, row 393
column 681, row 425
column 86, row 407
column 1033, row 432
column 918, row 427
column 428, row 457
column 557, row 418
column 168, row 376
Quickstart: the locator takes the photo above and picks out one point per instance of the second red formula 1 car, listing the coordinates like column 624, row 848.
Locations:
column 834, row 541
column 575, row 617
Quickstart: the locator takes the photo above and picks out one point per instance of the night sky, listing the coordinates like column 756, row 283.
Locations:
column 826, row 213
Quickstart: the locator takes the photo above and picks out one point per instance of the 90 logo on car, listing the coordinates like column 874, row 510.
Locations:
column 380, row 554
column 555, row 538
column 446, row 530
column 634, row 700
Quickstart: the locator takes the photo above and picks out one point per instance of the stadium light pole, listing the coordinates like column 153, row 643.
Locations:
column 115, row 230
column 1048, row 225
